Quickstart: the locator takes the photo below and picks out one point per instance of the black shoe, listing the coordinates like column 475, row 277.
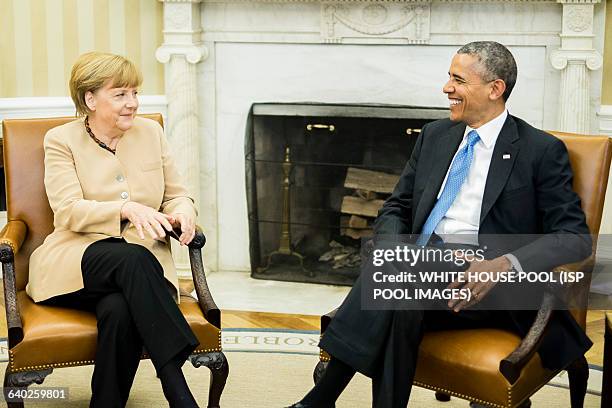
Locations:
column 300, row 405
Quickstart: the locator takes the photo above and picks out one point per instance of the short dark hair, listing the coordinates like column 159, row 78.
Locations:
column 497, row 61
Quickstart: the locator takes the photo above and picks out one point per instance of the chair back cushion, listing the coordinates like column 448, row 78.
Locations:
column 25, row 190
column 590, row 161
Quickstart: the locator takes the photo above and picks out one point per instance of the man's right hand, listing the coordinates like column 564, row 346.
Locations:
column 147, row 219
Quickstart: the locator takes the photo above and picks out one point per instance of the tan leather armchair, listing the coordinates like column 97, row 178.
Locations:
column 495, row 367
column 42, row 338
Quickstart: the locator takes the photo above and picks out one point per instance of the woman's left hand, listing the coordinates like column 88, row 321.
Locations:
column 187, row 225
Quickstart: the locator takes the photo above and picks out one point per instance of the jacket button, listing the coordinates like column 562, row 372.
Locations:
column 124, row 195
column 119, row 178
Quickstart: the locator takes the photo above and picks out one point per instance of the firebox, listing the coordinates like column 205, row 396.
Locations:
column 316, row 175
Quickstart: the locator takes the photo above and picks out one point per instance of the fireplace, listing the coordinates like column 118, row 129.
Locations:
column 316, row 175
column 221, row 56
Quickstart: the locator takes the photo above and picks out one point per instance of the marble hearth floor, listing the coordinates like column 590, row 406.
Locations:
column 238, row 291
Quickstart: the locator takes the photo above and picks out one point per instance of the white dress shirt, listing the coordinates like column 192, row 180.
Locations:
column 463, row 216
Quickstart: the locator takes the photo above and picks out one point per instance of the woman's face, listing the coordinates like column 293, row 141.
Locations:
column 112, row 106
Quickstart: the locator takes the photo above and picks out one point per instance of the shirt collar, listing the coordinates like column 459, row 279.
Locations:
column 489, row 131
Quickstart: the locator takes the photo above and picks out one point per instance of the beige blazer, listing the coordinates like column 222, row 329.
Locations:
column 87, row 185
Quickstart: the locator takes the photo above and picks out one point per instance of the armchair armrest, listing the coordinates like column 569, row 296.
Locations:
column 11, row 239
column 13, row 234
column 205, row 299
column 511, row 366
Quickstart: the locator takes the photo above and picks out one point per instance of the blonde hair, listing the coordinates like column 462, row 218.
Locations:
column 93, row 70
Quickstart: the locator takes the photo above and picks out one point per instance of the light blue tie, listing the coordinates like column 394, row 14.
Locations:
column 456, row 176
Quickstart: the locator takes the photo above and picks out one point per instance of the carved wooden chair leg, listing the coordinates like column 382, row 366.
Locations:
column 440, row 396
column 319, row 370
column 219, row 370
column 578, row 374
column 13, row 381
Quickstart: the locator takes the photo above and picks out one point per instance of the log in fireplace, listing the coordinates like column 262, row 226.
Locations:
column 316, row 175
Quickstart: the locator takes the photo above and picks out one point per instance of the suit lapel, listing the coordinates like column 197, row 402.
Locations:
column 441, row 160
column 502, row 161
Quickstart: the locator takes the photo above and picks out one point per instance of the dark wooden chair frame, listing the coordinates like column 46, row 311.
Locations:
column 215, row 361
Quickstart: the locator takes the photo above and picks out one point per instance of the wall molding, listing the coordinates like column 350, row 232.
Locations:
column 54, row 106
column 604, row 116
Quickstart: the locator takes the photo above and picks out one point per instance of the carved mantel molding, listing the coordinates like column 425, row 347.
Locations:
column 192, row 53
column 342, row 21
column 182, row 32
column 590, row 58
column 575, row 58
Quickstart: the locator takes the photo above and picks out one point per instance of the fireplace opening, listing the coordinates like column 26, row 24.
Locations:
column 316, row 175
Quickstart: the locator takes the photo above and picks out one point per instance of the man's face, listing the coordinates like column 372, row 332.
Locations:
column 469, row 94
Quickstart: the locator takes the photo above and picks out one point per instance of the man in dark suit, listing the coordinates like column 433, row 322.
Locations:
column 480, row 172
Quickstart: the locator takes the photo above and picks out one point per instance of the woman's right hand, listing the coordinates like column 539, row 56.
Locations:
column 147, row 219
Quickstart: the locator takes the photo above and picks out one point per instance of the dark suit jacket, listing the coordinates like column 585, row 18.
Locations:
column 530, row 193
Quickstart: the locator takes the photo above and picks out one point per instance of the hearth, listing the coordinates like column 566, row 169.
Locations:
column 316, row 175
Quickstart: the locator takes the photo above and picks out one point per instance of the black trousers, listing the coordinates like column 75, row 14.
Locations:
column 125, row 286
column 383, row 344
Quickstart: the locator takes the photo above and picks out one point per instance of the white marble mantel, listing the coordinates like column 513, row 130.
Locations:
column 360, row 51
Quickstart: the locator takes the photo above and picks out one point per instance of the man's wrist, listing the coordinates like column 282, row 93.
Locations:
column 507, row 264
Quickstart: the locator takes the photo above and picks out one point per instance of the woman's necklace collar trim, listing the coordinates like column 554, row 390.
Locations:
column 95, row 139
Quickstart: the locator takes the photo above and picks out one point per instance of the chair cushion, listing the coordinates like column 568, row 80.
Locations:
column 60, row 337
column 465, row 363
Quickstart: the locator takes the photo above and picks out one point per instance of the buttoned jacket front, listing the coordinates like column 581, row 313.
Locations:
column 87, row 186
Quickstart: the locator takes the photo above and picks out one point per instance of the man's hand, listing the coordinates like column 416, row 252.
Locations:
column 147, row 219
column 187, row 225
column 479, row 289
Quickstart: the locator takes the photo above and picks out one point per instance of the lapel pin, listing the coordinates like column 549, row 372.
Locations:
column 506, row 156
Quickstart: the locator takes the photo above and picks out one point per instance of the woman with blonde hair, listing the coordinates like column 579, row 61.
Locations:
column 116, row 195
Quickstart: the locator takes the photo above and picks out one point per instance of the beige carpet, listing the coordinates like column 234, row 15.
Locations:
column 261, row 380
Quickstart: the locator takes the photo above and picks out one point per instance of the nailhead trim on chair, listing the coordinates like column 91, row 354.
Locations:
column 456, row 394
column 464, row 396
column 9, row 243
column 87, row 362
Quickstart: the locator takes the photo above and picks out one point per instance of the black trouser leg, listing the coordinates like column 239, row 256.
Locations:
column 392, row 384
column 116, row 266
column 119, row 345
column 118, row 353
